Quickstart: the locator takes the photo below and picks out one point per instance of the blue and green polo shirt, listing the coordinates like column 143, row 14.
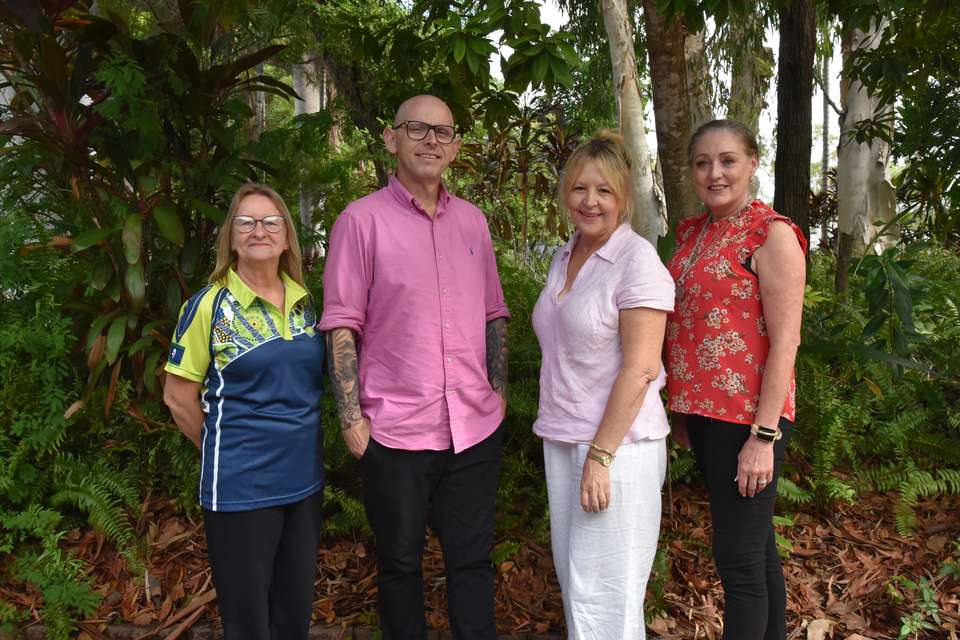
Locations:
column 261, row 369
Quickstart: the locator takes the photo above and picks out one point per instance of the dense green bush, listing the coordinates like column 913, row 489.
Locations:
column 878, row 382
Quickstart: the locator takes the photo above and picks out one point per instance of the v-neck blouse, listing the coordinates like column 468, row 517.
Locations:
column 579, row 336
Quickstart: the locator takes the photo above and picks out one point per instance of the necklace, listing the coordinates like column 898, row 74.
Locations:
column 696, row 254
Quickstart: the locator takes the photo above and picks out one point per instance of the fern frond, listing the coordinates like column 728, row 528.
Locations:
column 789, row 491
column 350, row 517
column 683, row 464
column 105, row 512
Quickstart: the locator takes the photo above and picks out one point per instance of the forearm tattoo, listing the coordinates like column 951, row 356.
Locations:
column 342, row 363
column 497, row 355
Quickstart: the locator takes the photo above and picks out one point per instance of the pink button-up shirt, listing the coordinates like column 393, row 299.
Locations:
column 579, row 337
column 419, row 293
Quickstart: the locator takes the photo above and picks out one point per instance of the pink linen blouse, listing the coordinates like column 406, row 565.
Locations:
column 580, row 337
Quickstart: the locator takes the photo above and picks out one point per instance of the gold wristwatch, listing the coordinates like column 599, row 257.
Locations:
column 604, row 459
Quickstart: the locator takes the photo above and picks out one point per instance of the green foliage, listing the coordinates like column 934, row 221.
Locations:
column 873, row 396
column 784, row 546
column 44, row 486
column 522, row 493
column 926, row 616
column 504, row 551
column 656, row 601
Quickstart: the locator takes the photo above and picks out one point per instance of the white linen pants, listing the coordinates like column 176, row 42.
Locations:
column 603, row 560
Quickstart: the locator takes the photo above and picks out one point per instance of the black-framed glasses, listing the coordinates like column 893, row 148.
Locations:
column 271, row 224
column 417, row 130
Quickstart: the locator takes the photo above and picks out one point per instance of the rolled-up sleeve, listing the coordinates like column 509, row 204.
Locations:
column 347, row 276
column 496, row 306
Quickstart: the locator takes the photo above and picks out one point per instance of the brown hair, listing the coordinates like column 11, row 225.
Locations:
column 605, row 149
column 291, row 260
column 740, row 130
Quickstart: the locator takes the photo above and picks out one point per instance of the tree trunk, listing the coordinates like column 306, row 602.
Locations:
column 351, row 81
column 645, row 216
column 671, row 110
column 699, row 90
column 795, row 112
column 311, row 101
column 328, row 93
column 752, row 69
column 865, row 194
column 825, row 132
column 260, row 108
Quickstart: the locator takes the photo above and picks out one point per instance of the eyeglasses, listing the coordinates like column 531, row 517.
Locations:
column 417, row 130
column 271, row 224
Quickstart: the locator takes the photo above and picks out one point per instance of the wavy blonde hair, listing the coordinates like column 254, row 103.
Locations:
column 291, row 260
column 606, row 150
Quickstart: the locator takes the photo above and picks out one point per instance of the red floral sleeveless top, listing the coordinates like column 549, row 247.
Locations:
column 717, row 341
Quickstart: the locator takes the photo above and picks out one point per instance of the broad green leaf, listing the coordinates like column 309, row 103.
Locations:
column 115, row 338
column 89, row 238
column 459, row 49
column 168, row 224
column 189, row 255
column 473, row 62
column 208, row 211
column 150, row 370
column 139, row 345
column 148, row 184
column 101, row 273
column 539, row 68
column 480, row 46
column 132, row 237
column 133, row 282
column 96, row 327
column 173, row 299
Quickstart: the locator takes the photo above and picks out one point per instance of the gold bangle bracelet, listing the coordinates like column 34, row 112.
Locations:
column 602, row 450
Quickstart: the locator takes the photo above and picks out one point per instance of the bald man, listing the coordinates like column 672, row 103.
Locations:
column 416, row 333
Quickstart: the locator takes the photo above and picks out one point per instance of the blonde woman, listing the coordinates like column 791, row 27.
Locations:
column 244, row 385
column 600, row 320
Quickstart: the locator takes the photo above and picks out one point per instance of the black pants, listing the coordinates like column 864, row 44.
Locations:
column 264, row 563
column 744, row 547
column 403, row 491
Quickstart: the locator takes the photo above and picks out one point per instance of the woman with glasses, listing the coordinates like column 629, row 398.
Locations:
column 245, row 383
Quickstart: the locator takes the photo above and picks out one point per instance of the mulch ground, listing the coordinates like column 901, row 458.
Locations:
column 849, row 576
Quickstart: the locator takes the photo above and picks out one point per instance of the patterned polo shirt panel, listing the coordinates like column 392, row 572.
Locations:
column 261, row 371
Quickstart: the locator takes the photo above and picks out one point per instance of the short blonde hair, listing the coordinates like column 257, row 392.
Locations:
column 606, row 150
column 291, row 260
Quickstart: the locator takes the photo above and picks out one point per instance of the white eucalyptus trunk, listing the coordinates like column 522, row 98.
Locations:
column 752, row 72
column 305, row 83
column 647, row 217
column 865, row 194
column 699, row 89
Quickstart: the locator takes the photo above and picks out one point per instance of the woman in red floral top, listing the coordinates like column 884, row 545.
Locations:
column 739, row 271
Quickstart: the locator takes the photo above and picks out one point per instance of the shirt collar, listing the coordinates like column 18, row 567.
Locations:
column 400, row 193
column 245, row 295
column 610, row 250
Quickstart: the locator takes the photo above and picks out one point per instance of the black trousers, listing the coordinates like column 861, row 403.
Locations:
column 264, row 564
column 744, row 547
column 403, row 491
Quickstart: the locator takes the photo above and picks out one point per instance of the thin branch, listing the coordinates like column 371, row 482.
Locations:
column 826, row 96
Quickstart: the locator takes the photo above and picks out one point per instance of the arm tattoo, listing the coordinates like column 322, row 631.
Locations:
column 497, row 355
column 342, row 363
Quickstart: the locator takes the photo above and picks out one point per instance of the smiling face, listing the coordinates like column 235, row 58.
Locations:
column 593, row 205
column 259, row 245
column 721, row 167
column 421, row 161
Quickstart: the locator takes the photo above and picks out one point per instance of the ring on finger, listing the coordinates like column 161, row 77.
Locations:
column 762, row 482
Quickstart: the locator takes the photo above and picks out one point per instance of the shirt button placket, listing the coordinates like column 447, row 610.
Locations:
column 441, row 255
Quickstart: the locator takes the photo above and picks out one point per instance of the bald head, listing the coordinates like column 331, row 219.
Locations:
column 423, row 103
